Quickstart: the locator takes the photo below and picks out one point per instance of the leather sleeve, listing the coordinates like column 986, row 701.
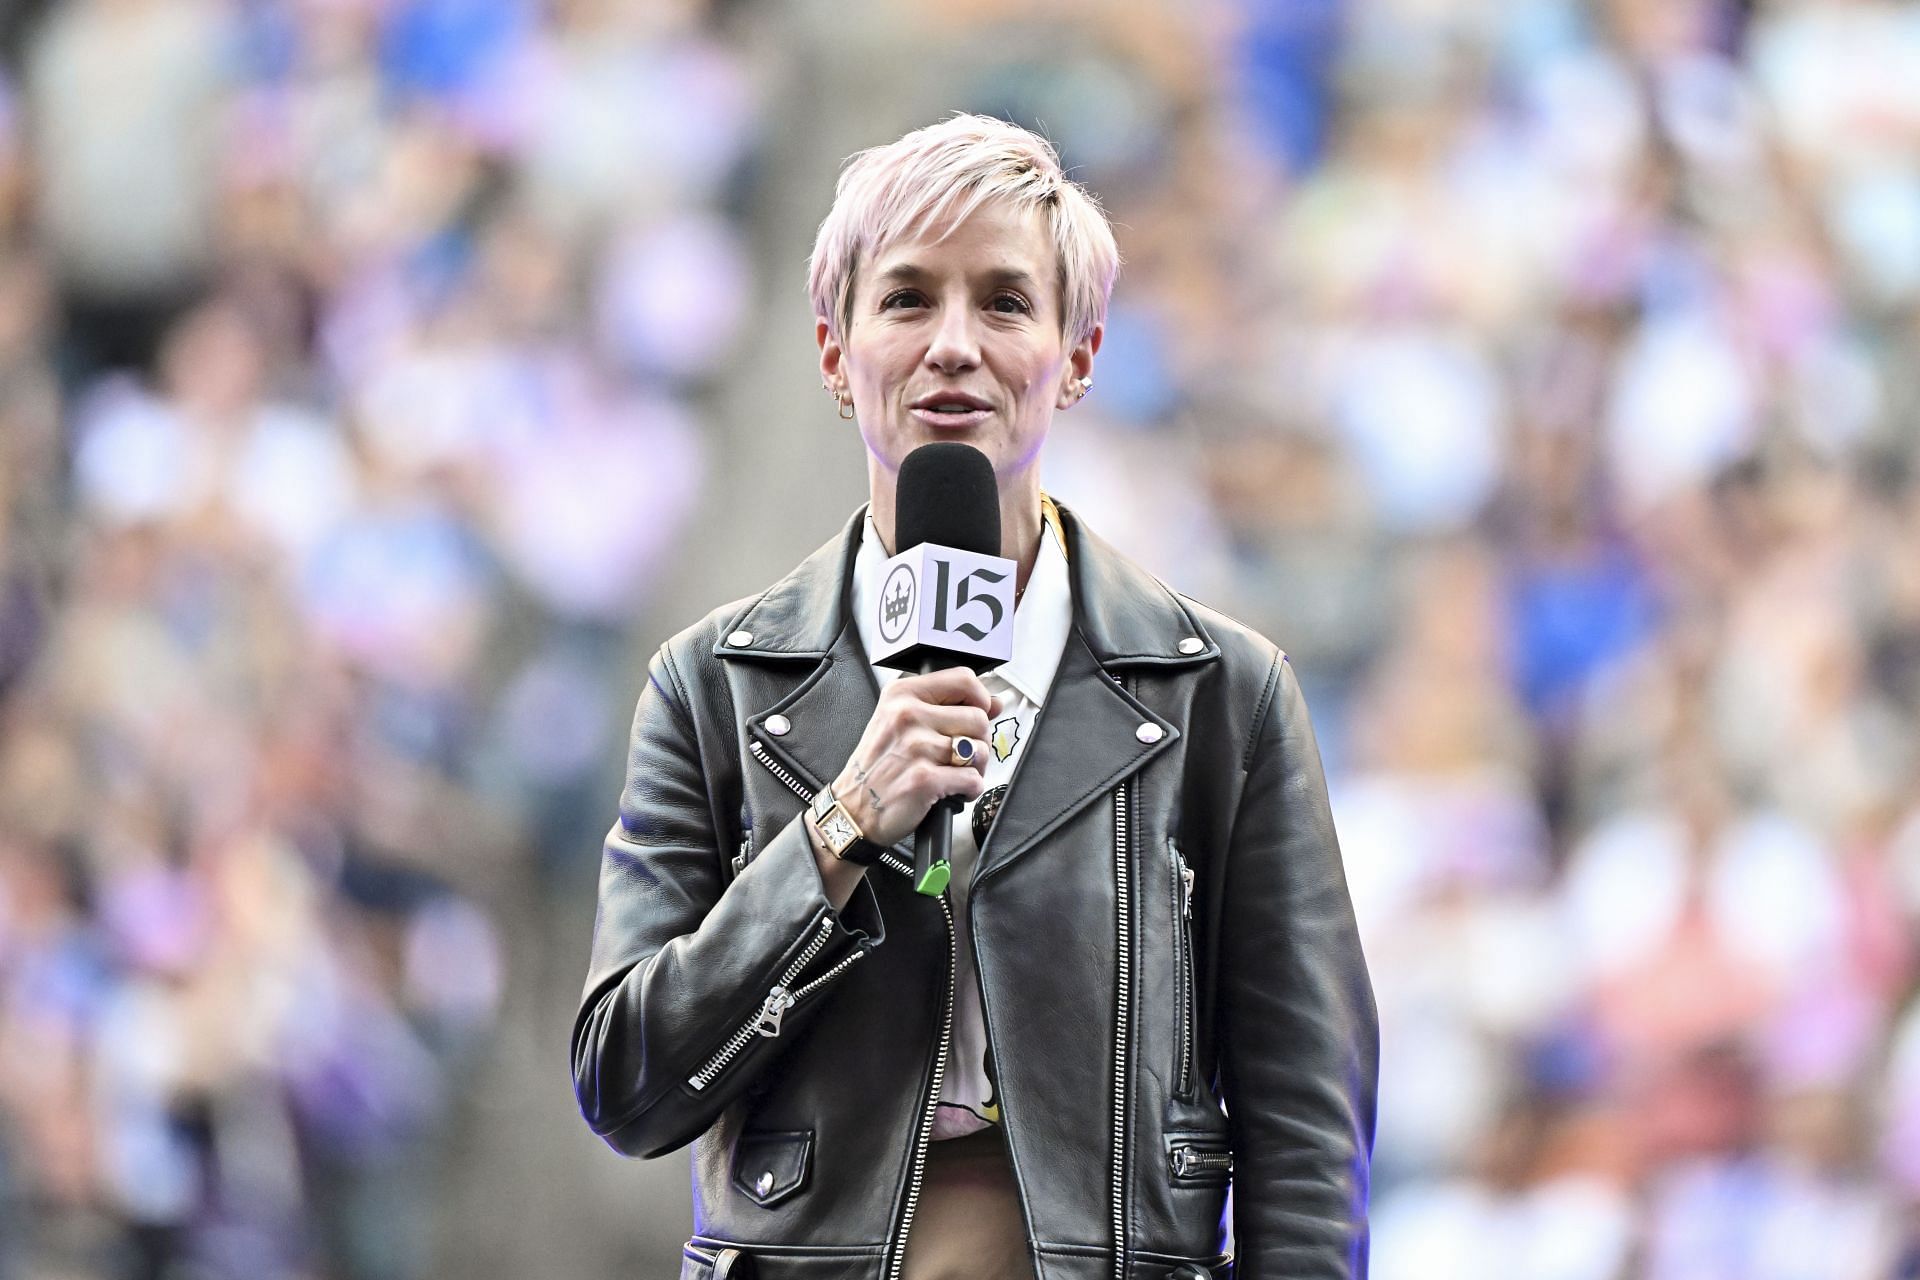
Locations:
column 678, row 965
column 1298, row 1028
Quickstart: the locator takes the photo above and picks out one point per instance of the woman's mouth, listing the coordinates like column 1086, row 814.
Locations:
column 951, row 417
column 950, row 410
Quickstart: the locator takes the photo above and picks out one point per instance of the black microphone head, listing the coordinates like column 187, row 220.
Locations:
column 946, row 495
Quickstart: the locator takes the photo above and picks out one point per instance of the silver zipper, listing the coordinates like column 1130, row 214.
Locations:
column 1123, row 898
column 905, row 868
column 779, row 770
column 893, row 860
column 1193, row 1162
column 1183, row 942
column 766, row 1020
column 933, row 1099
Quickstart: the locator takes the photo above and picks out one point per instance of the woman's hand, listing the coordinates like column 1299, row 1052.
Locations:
column 904, row 762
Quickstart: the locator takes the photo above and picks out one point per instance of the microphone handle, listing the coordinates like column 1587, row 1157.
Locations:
column 933, row 838
column 933, row 846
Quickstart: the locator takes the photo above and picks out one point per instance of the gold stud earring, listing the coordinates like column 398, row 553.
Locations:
column 1086, row 385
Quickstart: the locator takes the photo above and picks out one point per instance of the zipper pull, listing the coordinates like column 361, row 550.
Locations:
column 745, row 855
column 1188, row 1160
column 772, row 1011
column 1186, row 886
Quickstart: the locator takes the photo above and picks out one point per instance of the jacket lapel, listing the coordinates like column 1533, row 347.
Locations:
column 1086, row 741
column 823, row 716
column 815, row 676
column 1091, row 734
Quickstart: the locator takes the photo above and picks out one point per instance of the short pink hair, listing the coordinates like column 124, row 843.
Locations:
column 936, row 176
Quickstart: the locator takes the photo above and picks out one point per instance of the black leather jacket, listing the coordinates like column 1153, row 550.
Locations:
column 1146, row 1047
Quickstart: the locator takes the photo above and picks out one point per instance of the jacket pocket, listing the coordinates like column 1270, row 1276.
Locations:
column 1162, row 1266
column 1180, row 879
column 770, row 1166
column 698, row 1262
column 1199, row 1159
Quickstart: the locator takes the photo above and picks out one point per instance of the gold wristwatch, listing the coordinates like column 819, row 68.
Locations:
column 843, row 837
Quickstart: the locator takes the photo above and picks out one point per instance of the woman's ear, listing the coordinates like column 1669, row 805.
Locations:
column 1078, row 378
column 833, row 374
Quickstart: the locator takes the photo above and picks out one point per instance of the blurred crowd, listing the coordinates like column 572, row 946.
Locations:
column 1542, row 375
column 1539, row 373
column 349, row 355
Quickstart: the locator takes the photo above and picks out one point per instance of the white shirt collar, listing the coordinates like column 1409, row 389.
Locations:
column 1041, row 620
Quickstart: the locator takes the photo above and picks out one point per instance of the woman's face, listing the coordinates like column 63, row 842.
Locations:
column 960, row 339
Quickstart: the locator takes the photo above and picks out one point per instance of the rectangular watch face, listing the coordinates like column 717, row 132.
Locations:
column 838, row 829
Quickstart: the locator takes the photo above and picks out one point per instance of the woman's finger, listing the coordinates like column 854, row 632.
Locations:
column 948, row 686
column 954, row 722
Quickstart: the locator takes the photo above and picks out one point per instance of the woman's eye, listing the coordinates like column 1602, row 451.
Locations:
column 1010, row 304
column 899, row 298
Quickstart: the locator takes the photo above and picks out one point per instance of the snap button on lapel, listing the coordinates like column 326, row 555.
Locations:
column 1149, row 732
column 740, row 639
column 777, row 725
column 764, row 1183
column 1192, row 644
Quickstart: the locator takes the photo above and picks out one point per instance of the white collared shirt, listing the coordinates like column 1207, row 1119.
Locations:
column 1041, row 621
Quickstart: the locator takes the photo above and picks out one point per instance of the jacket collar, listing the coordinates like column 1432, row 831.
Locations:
column 1126, row 616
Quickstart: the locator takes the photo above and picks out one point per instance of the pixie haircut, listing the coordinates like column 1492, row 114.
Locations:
column 931, row 180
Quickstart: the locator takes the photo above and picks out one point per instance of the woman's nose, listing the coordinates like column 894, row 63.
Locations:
column 956, row 341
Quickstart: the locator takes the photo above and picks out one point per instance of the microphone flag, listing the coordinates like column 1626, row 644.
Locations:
column 957, row 602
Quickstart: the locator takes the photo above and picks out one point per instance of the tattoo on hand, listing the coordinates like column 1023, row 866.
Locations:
column 860, row 776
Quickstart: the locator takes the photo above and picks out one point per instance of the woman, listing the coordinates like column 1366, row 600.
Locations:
column 1143, row 984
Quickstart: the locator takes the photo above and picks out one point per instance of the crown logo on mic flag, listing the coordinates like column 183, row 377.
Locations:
column 896, row 603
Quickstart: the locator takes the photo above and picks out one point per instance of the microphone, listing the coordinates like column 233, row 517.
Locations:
column 947, row 598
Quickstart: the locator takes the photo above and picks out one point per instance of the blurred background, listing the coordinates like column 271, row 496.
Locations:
column 381, row 380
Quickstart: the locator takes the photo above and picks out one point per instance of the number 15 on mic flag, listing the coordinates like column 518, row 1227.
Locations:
column 945, row 604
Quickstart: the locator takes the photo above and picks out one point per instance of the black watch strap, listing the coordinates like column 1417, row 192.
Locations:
column 863, row 852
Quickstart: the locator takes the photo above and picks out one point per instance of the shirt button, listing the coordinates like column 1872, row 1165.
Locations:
column 1192, row 644
column 1149, row 732
column 777, row 725
column 740, row 639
